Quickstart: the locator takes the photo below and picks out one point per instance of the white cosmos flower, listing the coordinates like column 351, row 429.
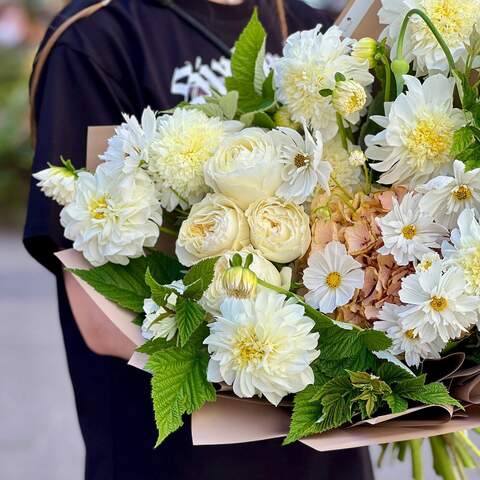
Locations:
column 454, row 19
column 262, row 347
column 132, row 140
column 445, row 198
column 427, row 261
column 309, row 64
column 265, row 270
column 348, row 175
column 166, row 326
column 404, row 341
column 407, row 232
column 465, row 253
column 113, row 216
column 438, row 304
column 57, row 183
column 418, row 137
column 332, row 276
column 304, row 167
column 186, row 140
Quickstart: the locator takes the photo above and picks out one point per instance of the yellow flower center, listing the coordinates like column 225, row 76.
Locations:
column 439, row 304
column 202, row 229
column 355, row 102
column 427, row 264
column 409, row 231
column 453, row 19
column 462, row 193
column 470, row 264
column 334, row 279
column 248, row 347
column 301, row 159
column 411, row 335
column 98, row 207
column 430, row 141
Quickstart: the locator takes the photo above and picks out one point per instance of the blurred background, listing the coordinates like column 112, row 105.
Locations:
column 39, row 434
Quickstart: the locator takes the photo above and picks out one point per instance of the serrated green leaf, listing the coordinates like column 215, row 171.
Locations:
column 201, row 274
column 189, row 316
column 375, row 340
column 268, row 91
column 229, row 104
column 432, row 394
column 164, row 268
column 179, row 385
column 123, row 284
column 263, row 120
column 396, row 403
column 159, row 293
column 153, row 346
column 462, row 139
column 411, row 384
column 365, row 360
column 392, row 374
column 336, row 343
column 139, row 319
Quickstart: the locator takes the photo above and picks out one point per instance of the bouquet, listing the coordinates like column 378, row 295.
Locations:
column 326, row 218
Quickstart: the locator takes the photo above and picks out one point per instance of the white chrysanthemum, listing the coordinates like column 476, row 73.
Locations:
column 406, row 342
column 185, row 141
column 445, row 198
column 427, row 261
column 113, row 215
column 348, row 98
column 465, row 252
column 158, row 322
column 131, row 143
column 57, row 183
column 438, row 305
column 454, row 19
column 418, row 137
column 407, row 232
column 264, row 270
column 332, row 276
column 304, row 167
column 309, row 64
column 346, row 174
column 262, row 347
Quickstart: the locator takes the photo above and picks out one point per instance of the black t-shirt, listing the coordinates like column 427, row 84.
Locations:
column 129, row 55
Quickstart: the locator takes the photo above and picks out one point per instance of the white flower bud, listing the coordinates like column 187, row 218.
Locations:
column 357, row 158
column 348, row 97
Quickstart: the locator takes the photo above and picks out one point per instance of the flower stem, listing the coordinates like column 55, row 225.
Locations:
column 417, row 461
column 169, row 231
column 388, row 77
column 348, row 198
column 442, row 462
column 343, row 132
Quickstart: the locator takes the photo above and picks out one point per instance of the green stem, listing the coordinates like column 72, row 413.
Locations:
column 388, row 77
column 417, row 461
column 343, row 132
column 348, row 198
column 463, row 437
column 433, row 29
column 442, row 463
column 368, row 179
column 169, row 231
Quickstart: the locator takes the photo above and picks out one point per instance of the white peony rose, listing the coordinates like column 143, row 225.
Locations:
column 246, row 167
column 113, row 215
column 265, row 270
column 214, row 226
column 280, row 230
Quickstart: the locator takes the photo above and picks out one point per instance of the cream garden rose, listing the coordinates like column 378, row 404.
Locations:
column 279, row 229
column 214, row 226
column 246, row 167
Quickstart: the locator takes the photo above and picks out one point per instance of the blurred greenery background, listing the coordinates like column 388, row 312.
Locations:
column 22, row 25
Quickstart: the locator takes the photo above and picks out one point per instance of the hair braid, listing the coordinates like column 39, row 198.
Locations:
column 282, row 18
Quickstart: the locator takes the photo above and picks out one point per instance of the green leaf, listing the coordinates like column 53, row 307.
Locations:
column 247, row 68
column 326, row 92
column 432, row 394
column 268, row 91
column 336, row 343
column 199, row 278
column 179, row 384
column 189, row 315
column 164, row 268
column 462, row 139
column 396, row 403
column 263, row 120
column 375, row 340
column 159, row 293
column 139, row 319
column 405, row 387
column 123, row 284
column 229, row 104
column 339, row 77
column 392, row 374
column 365, row 360
column 305, row 415
column 153, row 346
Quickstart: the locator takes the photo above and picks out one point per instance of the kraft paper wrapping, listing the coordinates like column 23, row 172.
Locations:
column 359, row 19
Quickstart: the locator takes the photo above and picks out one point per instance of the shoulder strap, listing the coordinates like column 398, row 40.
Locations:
column 43, row 54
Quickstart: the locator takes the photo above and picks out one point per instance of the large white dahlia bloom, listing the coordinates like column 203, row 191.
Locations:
column 262, row 347
column 113, row 215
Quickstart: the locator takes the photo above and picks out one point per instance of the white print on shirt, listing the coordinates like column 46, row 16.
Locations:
column 193, row 81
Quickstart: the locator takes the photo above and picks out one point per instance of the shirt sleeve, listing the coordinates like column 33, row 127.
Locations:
column 74, row 93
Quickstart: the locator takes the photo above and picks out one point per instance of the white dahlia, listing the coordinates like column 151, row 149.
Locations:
column 406, row 342
column 454, row 19
column 158, row 322
column 332, row 276
column 407, row 232
column 304, row 168
column 186, row 140
column 131, row 143
column 309, row 64
column 418, row 137
column 465, row 253
column 445, row 198
column 262, row 347
column 438, row 305
column 113, row 215
column 57, row 183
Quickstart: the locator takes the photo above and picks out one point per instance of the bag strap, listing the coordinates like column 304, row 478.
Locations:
column 43, row 54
